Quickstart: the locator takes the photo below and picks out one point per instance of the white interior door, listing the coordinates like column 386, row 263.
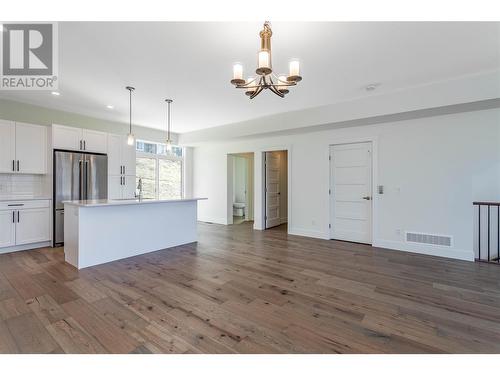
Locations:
column 351, row 192
column 272, row 189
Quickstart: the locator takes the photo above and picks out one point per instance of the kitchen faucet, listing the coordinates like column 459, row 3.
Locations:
column 139, row 187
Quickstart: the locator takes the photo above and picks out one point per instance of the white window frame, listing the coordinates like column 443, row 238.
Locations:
column 157, row 158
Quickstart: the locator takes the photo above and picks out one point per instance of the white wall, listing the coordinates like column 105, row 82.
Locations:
column 432, row 169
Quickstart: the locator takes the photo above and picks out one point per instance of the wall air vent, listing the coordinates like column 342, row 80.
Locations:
column 429, row 239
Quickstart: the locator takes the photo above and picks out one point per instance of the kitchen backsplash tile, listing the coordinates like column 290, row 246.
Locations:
column 24, row 186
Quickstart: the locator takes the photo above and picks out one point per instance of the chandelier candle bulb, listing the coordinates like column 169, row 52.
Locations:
column 294, row 69
column 237, row 74
column 264, row 65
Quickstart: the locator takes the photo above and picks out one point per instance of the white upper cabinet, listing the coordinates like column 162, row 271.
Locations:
column 128, row 157
column 121, row 156
column 69, row 138
column 121, row 168
column 31, row 148
column 23, row 148
column 94, row 141
column 7, row 146
column 115, row 166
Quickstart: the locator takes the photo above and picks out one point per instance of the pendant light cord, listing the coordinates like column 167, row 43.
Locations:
column 130, row 112
column 169, row 101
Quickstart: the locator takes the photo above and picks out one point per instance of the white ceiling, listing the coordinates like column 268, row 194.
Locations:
column 192, row 63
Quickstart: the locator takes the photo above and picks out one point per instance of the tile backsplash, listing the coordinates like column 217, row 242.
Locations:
column 13, row 186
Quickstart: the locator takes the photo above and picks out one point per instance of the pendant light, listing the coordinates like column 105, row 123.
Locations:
column 130, row 136
column 169, row 141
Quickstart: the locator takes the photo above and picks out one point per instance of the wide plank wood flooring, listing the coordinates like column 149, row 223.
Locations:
column 244, row 291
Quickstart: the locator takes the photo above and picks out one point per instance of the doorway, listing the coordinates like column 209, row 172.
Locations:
column 351, row 192
column 275, row 188
column 241, row 192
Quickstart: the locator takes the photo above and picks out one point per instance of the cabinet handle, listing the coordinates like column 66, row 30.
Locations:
column 85, row 145
column 13, row 216
column 81, row 147
column 18, row 165
column 18, row 216
column 13, row 165
column 123, row 169
column 15, row 204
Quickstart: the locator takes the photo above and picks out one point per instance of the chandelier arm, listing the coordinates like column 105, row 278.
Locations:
column 282, row 83
column 276, row 91
column 257, row 92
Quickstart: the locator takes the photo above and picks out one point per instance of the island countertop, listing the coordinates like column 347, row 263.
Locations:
column 125, row 202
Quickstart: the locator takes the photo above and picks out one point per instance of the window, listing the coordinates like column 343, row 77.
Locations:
column 161, row 172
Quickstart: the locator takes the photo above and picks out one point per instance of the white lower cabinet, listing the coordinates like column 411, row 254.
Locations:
column 23, row 223
column 7, row 229
column 32, row 226
column 128, row 187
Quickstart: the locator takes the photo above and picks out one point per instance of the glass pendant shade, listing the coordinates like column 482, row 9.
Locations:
column 130, row 139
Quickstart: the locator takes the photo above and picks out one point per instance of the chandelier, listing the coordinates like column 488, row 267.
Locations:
column 266, row 78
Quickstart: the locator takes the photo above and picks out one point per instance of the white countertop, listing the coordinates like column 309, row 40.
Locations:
column 126, row 202
column 25, row 198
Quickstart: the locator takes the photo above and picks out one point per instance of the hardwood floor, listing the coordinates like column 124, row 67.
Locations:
column 244, row 291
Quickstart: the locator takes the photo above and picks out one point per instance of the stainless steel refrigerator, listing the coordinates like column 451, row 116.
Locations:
column 77, row 176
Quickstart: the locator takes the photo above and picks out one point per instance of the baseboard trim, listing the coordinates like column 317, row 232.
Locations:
column 439, row 251
column 213, row 221
column 308, row 233
column 29, row 246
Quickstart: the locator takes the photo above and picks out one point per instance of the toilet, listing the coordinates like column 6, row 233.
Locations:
column 238, row 209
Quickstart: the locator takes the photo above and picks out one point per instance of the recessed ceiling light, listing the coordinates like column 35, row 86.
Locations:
column 109, row 106
column 55, row 93
column 372, row 86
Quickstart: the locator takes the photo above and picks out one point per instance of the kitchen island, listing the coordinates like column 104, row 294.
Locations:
column 101, row 231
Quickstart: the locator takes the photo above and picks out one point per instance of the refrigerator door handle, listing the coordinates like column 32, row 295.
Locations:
column 86, row 174
column 80, row 188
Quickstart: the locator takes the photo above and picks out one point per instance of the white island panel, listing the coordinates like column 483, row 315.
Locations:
column 100, row 233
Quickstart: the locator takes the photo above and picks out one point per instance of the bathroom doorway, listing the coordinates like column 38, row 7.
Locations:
column 240, row 188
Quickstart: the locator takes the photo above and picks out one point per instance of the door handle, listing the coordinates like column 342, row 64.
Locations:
column 368, row 198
